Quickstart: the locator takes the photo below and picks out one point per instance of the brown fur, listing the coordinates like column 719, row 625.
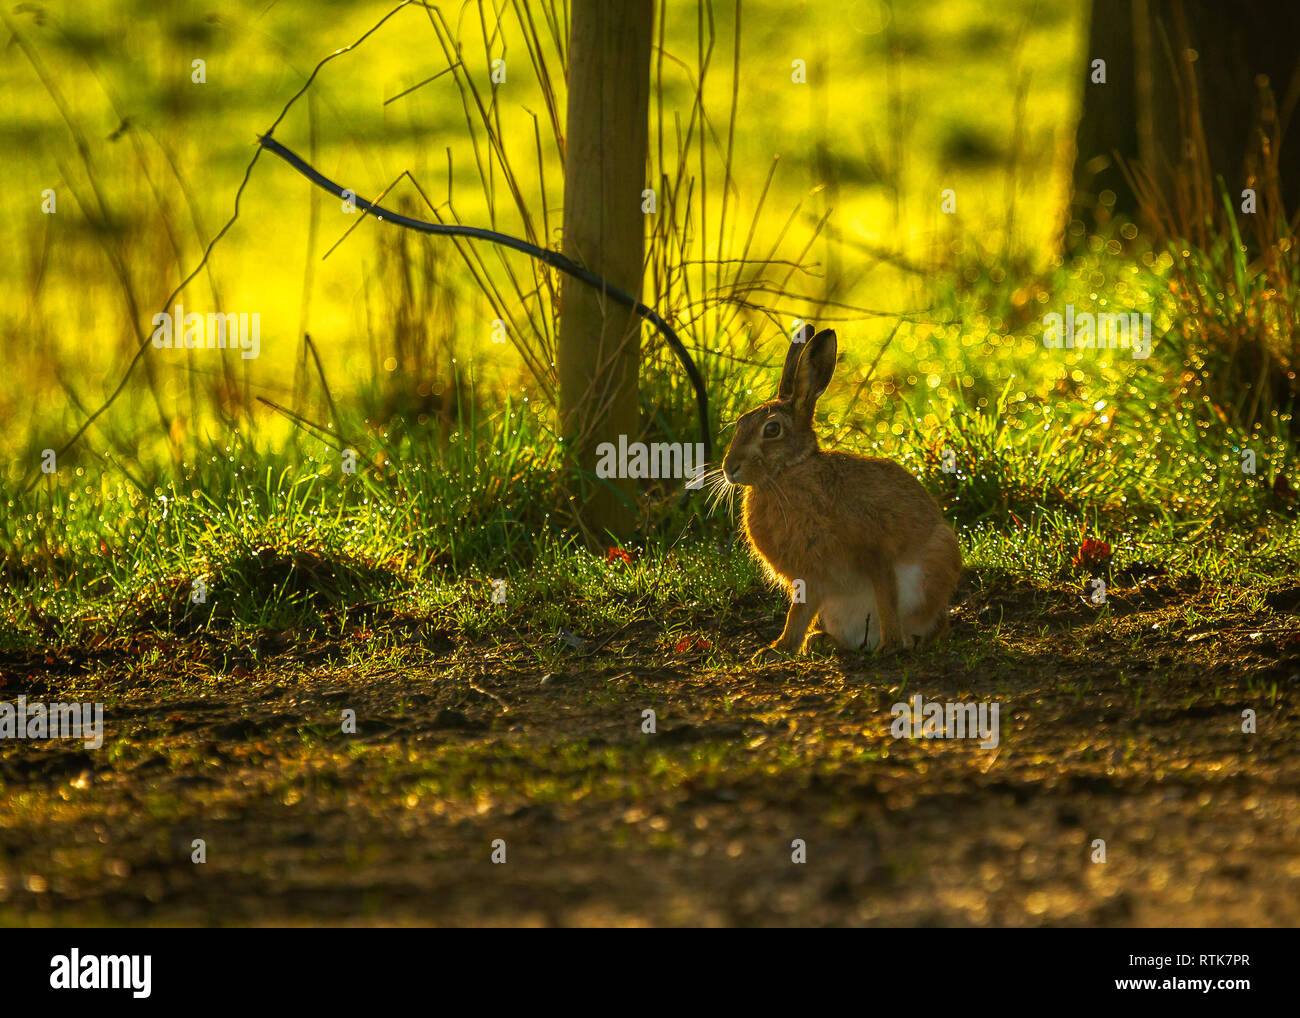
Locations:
column 844, row 524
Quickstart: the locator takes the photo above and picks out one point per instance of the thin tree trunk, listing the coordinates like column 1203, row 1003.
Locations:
column 604, row 229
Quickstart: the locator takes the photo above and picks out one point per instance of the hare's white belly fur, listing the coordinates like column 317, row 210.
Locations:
column 852, row 618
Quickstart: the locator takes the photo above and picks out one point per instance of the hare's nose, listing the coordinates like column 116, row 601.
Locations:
column 729, row 474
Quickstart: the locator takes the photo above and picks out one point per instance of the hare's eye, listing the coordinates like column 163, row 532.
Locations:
column 772, row 429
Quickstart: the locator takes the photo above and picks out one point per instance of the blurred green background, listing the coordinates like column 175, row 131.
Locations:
column 902, row 100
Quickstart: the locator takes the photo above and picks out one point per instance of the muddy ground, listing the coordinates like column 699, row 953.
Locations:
column 1125, row 728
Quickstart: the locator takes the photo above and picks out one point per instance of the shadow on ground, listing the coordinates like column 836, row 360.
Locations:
column 1128, row 732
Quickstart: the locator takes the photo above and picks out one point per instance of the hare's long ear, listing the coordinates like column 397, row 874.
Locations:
column 786, row 389
column 814, row 371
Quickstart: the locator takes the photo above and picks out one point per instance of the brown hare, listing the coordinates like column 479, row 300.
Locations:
column 856, row 540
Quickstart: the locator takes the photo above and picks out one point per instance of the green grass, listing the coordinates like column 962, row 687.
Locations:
column 285, row 544
column 460, row 479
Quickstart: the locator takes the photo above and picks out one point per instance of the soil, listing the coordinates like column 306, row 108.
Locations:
column 1126, row 730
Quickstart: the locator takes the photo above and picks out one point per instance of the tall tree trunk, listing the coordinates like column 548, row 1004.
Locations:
column 1108, row 115
column 604, row 229
column 1168, row 61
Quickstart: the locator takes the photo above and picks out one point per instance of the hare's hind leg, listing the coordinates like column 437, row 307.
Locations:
column 844, row 617
column 887, row 617
column 937, row 630
column 928, row 587
column 913, row 598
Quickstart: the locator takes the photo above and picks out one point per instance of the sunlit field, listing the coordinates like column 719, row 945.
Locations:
column 374, row 517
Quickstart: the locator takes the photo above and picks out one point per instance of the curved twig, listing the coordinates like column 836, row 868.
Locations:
column 551, row 258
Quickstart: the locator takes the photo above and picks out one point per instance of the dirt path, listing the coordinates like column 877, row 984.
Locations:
column 1130, row 733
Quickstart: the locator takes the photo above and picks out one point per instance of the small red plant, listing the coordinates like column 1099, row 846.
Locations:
column 618, row 555
column 1092, row 553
